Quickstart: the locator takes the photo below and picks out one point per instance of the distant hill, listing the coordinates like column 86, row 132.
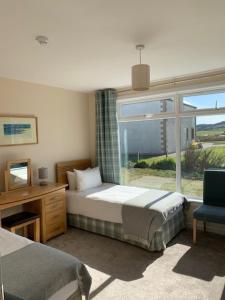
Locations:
column 206, row 127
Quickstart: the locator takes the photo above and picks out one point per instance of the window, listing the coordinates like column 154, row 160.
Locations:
column 206, row 151
column 147, row 107
column 167, row 143
column 148, row 153
column 203, row 101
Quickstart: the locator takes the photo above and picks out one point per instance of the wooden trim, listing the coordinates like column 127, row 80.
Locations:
column 22, row 116
column 63, row 167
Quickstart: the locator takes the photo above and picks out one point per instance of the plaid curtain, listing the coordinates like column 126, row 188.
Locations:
column 107, row 137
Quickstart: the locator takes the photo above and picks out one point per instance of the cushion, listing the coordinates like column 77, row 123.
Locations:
column 88, row 179
column 214, row 187
column 210, row 213
column 72, row 180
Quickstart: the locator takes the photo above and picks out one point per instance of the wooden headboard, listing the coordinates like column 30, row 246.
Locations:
column 62, row 167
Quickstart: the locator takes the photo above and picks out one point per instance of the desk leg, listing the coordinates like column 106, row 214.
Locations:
column 37, row 230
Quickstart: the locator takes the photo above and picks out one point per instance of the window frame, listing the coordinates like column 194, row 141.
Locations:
column 177, row 114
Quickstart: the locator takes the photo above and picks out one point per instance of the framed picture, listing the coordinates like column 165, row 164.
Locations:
column 18, row 130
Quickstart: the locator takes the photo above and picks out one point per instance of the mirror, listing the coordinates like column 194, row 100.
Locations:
column 18, row 174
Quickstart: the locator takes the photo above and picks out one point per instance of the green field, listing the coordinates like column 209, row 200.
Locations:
column 214, row 132
column 163, row 180
column 192, row 181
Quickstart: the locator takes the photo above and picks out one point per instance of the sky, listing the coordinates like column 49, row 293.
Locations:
column 207, row 101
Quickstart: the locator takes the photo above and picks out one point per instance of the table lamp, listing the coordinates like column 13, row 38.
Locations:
column 43, row 175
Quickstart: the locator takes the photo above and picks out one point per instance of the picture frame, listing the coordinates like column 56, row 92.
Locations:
column 18, row 130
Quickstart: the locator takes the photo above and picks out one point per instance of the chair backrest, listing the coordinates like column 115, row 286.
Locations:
column 214, row 187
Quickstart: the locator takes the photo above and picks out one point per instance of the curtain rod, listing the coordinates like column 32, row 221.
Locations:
column 182, row 80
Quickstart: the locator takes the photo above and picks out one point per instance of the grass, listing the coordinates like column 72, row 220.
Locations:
column 192, row 183
column 155, row 159
column 213, row 132
column 218, row 142
column 159, row 179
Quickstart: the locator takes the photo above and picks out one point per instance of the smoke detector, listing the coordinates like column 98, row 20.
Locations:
column 42, row 40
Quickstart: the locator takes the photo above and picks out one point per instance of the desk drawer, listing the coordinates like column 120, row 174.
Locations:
column 55, row 214
column 57, row 206
column 54, row 198
column 55, row 217
column 54, row 230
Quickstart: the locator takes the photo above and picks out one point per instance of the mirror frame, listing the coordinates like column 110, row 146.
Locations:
column 11, row 187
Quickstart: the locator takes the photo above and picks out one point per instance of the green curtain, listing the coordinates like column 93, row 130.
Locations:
column 107, row 137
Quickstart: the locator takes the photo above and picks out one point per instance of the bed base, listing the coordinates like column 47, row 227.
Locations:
column 115, row 230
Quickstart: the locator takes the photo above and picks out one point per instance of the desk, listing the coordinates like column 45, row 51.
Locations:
column 48, row 201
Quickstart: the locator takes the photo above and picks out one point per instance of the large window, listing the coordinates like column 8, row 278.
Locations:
column 167, row 143
column 148, row 153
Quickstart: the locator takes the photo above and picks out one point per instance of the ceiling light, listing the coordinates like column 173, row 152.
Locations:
column 42, row 40
column 140, row 74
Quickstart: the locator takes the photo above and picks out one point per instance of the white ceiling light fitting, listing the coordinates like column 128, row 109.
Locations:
column 140, row 74
column 42, row 40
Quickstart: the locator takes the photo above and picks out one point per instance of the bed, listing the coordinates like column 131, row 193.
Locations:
column 143, row 217
column 32, row 271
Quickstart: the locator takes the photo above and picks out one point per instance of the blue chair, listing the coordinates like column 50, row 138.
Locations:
column 213, row 207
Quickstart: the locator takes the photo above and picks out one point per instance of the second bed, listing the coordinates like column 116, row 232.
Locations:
column 144, row 217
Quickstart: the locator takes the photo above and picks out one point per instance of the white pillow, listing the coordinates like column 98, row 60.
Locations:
column 72, row 180
column 88, row 179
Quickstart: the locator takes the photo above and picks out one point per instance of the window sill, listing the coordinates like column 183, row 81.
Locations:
column 193, row 200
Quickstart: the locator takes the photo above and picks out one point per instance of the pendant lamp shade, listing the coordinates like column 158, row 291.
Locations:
column 140, row 77
column 140, row 74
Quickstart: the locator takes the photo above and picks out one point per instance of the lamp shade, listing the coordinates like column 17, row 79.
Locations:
column 140, row 77
column 43, row 173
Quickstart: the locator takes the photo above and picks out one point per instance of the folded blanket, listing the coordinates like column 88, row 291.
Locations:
column 144, row 215
column 36, row 272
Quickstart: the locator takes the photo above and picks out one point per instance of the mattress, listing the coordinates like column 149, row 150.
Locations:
column 10, row 242
column 105, row 202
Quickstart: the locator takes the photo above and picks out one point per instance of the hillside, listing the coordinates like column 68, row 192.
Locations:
column 207, row 127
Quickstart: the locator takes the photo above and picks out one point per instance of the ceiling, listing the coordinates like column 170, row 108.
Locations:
column 92, row 42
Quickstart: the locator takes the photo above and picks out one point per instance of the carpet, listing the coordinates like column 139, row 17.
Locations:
column 124, row 272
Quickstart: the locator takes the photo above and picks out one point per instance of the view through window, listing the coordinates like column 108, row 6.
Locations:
column 172, row 152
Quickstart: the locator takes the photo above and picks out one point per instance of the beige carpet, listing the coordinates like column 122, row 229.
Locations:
column 121, row 271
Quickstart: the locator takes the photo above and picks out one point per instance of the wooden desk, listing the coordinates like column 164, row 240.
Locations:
column 48, row 201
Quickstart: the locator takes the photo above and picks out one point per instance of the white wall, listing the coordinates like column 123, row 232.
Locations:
column 63, row 123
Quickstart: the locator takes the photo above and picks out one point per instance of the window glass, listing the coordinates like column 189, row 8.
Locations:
column 148, row 146
column 204, row 101
column 146, row 107
column 148, row 154
column 204, row 149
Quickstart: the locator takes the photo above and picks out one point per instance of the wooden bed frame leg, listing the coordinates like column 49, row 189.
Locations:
column 194, row 230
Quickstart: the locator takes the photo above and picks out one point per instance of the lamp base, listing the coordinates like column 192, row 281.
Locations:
column 43, row 183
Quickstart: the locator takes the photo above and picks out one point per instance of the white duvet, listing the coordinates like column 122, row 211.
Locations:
column 103, row 202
